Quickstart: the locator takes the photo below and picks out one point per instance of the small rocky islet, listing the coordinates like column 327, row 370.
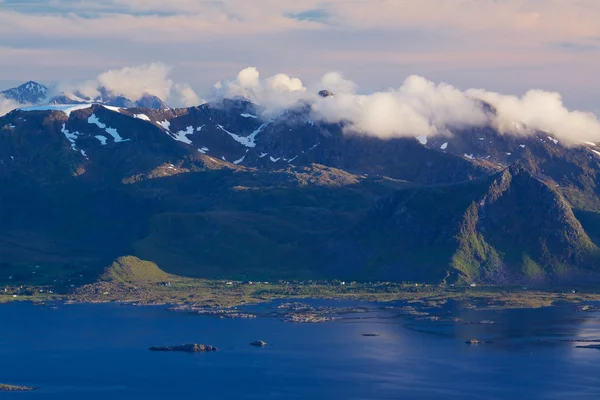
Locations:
column 15, row 388
column 258, row 343
column 591, row 346
column 186, row 348
column 474, row 342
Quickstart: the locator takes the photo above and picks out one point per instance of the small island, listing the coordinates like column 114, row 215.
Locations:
column 258, row 343
column 592, row 346
column 15, row 388
column 187, row 348
column 370, row 334
column 473, row 342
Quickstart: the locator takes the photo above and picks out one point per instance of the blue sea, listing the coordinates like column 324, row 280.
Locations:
column 100, row 351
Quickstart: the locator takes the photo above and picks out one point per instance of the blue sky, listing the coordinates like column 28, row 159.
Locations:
column 507, row 46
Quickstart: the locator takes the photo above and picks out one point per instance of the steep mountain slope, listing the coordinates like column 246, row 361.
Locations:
column 218, row 191
column 508, row 228
column 574, row 170
column 28, row 93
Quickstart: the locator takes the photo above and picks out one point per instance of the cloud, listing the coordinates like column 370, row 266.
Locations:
column 336, row 83
column 540, row 110
column 548, row 20
column 7, row 105
column 495, row 44
column 274, row 94
column 182, row 95
column 418, row 107
column 135, row 82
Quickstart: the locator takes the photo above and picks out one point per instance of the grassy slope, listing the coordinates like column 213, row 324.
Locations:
column 135, row 280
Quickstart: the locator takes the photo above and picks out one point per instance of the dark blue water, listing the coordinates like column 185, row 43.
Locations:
column 100, row 352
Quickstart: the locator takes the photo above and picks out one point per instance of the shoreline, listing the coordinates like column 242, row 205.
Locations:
column 224, row 302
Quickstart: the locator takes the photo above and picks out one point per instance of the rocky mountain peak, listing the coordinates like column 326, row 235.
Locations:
column 325, row 93
column 28, row 93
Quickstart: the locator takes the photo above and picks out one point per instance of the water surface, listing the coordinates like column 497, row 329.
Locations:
column 91, row 351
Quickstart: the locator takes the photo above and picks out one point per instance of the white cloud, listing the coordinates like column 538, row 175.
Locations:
column 336, row 83
column 182, row 95
column 500, row 44
column 541, row 110
column 135, row 82
column 275, row 94
column 7, row 105
column 418, row 107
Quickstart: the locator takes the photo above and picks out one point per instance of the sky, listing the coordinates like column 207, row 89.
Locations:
column 506, row 46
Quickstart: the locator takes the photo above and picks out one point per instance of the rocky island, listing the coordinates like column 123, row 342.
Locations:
column 592, row 346
column 187, row 348
column 258, row 343
column 14, row 388
column 474, row 342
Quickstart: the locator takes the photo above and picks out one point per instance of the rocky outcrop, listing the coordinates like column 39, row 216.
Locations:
column 258, row 343
column 13, row 388
column 473, row 342
column 325, row 93
column 592, row 346
column 187, row 348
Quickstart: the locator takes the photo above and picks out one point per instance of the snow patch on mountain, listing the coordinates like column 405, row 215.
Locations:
column 111, row 131
column 143, row 117
column 444, row 146
column 248, row 141
column 165, row 124
column 182, row 135
column 102, row 139
column 66, row 108
column 422, row 139
column 246, row 115
column 71, row 136
column 111, row 108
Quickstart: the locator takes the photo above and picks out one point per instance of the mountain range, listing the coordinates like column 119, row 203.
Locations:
column 33, row 93
column 219, row 191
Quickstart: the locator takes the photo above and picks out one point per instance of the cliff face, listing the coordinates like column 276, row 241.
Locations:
column 509, row 228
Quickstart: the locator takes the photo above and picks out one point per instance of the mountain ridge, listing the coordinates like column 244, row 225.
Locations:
column 33, row 93
column 298, row 197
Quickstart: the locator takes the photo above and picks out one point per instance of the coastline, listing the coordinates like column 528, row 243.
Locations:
column 217, row 295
